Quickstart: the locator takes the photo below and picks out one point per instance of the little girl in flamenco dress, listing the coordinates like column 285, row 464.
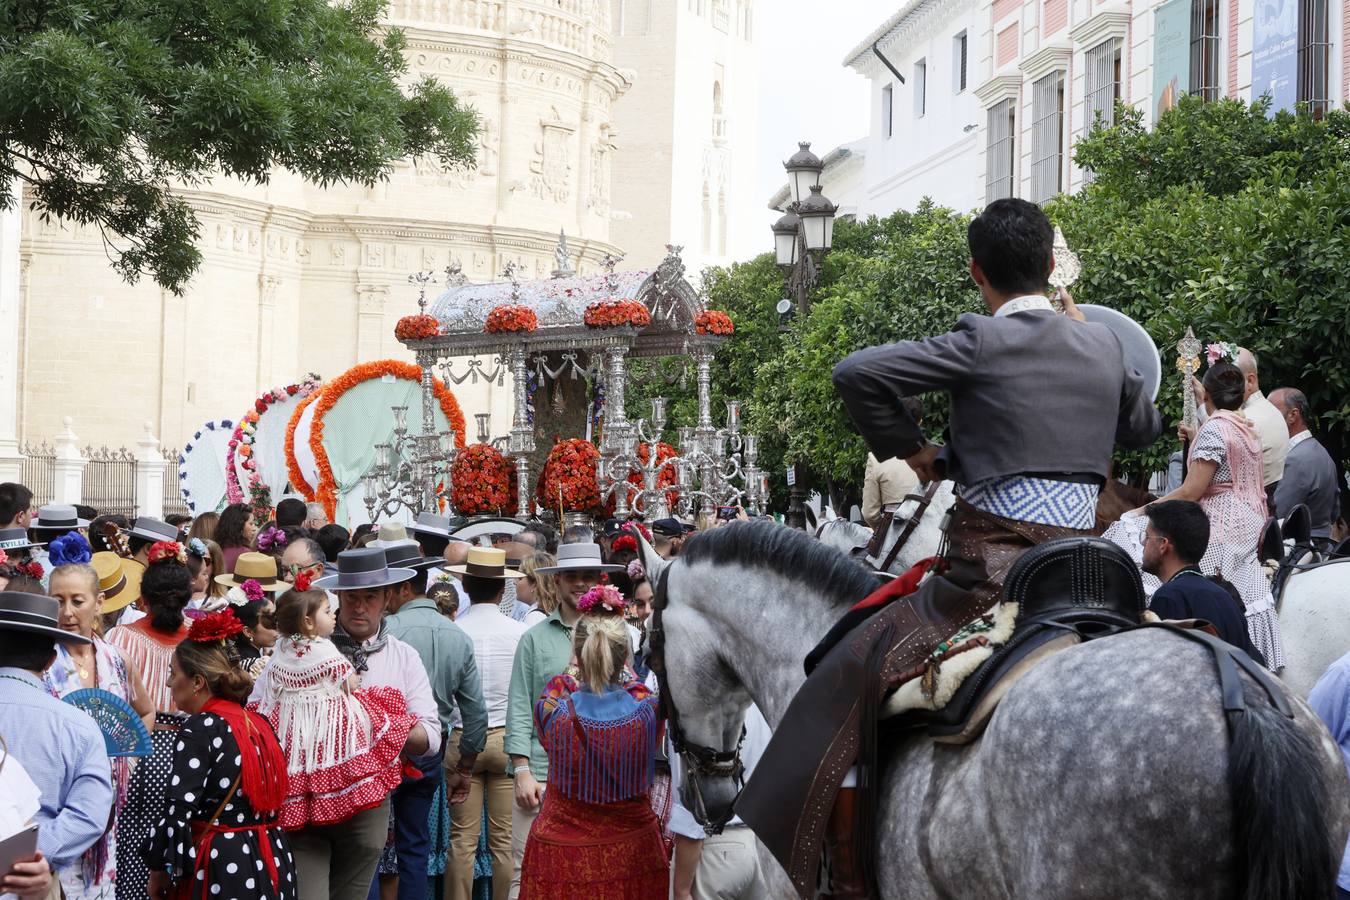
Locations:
column 342, row 742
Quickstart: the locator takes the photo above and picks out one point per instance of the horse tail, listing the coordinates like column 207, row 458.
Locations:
column 1276, row 786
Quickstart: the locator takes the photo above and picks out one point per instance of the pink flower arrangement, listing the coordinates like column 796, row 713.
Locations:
column 602, row 596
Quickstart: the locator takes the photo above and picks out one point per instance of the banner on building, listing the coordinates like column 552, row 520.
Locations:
column 1275, row 53
column 1171, row 54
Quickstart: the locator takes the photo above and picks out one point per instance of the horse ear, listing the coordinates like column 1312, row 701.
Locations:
column 652, row 563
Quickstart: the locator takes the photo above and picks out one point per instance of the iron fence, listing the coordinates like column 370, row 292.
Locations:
column 110, row 480
column 173, row 494
column 39, row 471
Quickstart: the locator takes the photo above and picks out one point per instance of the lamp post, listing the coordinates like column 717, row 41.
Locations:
column 801, row 238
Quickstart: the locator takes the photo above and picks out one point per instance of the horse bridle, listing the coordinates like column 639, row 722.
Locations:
column 925, row 500
column 697, row 759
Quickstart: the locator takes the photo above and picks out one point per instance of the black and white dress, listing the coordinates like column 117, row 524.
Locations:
column 249, row 857
column 144, row 806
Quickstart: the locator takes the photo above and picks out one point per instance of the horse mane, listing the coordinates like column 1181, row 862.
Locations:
column 764, row 544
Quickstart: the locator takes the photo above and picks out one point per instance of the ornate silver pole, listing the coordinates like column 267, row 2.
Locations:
column 522, row 433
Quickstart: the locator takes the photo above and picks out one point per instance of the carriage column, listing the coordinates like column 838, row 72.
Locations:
column 522, row 432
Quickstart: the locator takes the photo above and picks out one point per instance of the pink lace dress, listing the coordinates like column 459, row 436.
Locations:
column 1236, row 505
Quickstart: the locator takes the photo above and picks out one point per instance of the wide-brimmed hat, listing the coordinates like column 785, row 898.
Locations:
column 57, row 517
column 430, row 523
column 574, row 557
column 152, row 529
column 17, row 539
column 363, row 569
column 486, row 562
column 35, row 614
column 406, row 554
column 257, row 567
column 124, row 582
column 391, row 534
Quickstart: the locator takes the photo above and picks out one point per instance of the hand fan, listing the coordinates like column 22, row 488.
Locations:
column 124, row 733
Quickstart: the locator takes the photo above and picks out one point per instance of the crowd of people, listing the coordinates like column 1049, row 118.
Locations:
column 387, row 713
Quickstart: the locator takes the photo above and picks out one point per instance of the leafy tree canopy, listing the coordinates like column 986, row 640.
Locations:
column 106, row 105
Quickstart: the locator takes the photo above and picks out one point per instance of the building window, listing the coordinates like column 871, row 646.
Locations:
column 1047, row 136
column 1102, row 83
column 959, row 49
column 1314, row 56
column 920, row 88
column 999, row 157
column 887, row 107
column 1205, row 49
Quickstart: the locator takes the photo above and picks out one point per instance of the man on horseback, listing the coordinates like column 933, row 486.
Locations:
column 1039, row 400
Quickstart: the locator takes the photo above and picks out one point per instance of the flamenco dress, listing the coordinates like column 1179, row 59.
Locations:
column 342, row 748
column 596, row 835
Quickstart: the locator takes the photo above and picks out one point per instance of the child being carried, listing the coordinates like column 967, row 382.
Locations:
column 342, row 742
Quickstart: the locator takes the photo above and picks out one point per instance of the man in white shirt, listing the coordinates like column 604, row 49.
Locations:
column 889, row 482
column 483, row 576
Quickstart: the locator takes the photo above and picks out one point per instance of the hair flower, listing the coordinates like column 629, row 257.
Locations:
column 4, row 557
column 197, row 547
column 166, row 550
column 601, row 597
column 216, row 626
column 32, row 569
column 69, row 549
column 635, row 570
column 303, row 580
column 253, row 591
column 624, row 542
column 1221, row 350
column 271, row 537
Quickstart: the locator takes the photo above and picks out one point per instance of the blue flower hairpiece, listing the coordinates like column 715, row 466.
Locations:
column 196, row 547
column 69, row 550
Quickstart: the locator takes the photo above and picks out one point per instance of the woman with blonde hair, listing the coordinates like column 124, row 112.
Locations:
column 204, row 527
column 538, row 590
column 596, row 835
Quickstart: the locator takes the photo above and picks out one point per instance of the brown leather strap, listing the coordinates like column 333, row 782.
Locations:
column 925, row 500
column 215, row 816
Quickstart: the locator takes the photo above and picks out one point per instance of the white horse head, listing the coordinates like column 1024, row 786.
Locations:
column 923, row 540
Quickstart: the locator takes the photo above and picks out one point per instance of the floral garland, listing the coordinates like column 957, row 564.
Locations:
column 417, row 328
column 297, row 477
column 602, row 597
column 241, row 442
column 482, row 483
column 325, row 491
column 224, row 425
column 617, row 314
column 714, row 321
column 570, row 477
column 511, row 319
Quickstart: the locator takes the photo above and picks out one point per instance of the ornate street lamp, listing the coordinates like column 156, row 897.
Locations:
column 785, row 238
column 803, row 169
column 817, row 217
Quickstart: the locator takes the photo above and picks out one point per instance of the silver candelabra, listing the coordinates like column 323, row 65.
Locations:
column 408, row 470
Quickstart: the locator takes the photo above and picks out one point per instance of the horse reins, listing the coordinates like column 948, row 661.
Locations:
column 696, row 758
column 925, row 500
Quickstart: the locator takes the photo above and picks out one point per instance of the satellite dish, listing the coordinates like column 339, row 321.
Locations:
column 784, row 306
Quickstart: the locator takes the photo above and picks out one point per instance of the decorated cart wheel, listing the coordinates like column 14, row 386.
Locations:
column 490, row 525
column 201, row 467
column 257, row 451
column 301, row 467
column 353, row 414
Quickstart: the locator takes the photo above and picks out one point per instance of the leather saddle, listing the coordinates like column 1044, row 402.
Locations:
column 1068, row 591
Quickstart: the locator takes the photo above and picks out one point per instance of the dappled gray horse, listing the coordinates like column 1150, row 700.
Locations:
column 1107, row 771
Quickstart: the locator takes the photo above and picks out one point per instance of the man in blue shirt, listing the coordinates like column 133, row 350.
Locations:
column 60, row 746
column 1330, row 699
column 1174, row 543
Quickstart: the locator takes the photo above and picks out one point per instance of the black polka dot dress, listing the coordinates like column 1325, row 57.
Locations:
column 144, row 806
column 237, row 856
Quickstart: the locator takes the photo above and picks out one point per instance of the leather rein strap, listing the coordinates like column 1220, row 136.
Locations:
column 925, row 500
column 697, row 759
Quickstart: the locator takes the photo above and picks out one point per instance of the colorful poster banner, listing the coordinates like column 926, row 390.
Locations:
column 1171, row 54
column 1275, row 53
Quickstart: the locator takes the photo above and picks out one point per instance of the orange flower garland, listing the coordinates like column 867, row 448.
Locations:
column 417, row 328
column 617, row 314
column 483, row 482
column 570, row 477
column 511, row 319
column 714, row 321
column 292, row 464
column 326, row 490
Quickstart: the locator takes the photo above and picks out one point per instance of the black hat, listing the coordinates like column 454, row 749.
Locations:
column 612, row 528
column 35, row 614
column 17, row 539
column 154, row 530
column 667, row 527
column 409, row 556
column 363, row 569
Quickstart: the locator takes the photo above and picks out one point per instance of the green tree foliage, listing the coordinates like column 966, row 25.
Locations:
column 106, row 105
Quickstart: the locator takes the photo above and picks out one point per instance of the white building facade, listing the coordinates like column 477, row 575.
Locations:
column 688, row 128
column 1040, row 73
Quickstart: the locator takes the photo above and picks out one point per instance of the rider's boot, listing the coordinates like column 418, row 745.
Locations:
column 843, row 868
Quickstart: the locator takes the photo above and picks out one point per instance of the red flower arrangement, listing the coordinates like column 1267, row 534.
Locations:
column 511, row 319
column 325, row 491
column 617, row 314
column 417, row 328
column 714, row 321
column 481, row 482
column 665, row 478
column 216, row 626
column 570, row 477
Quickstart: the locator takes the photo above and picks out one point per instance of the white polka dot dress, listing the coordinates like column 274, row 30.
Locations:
column 236, row 858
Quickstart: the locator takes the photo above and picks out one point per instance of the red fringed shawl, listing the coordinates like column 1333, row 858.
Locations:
column 263, row 780
column 601, row 747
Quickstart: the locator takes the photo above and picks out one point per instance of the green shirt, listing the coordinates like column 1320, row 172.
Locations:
column 447, row 654
column 543, row 651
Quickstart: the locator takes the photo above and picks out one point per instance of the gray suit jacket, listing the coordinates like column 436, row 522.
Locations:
column 1310, row 478
column 1033, row 392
